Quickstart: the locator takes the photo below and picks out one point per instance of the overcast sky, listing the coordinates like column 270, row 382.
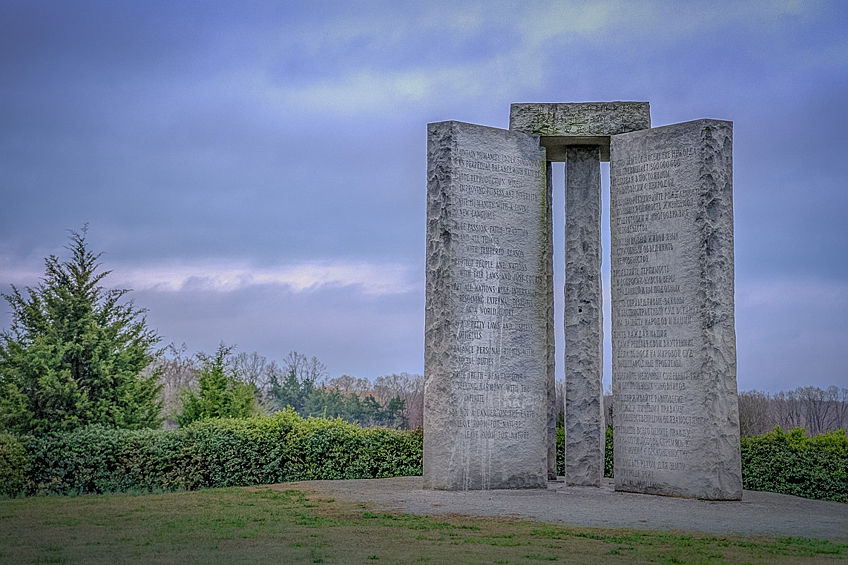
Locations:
column 256, row 171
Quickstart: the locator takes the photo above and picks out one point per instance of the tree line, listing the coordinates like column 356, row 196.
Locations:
column 235, row 385
column 814, row 409
column 77, row 354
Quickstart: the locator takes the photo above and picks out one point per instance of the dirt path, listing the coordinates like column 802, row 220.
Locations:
column 759, row 513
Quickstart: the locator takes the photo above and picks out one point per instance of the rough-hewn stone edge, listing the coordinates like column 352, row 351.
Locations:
column 440, row 140
column 716, row 296
column 579, row 118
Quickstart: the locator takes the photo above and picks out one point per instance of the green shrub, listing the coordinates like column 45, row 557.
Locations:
column 778, row 461
column 14, row 465
column 791, row 463
column 560, row 445
column 221, row 393
column 286, row 447
column 608, row 451
column 209, row 453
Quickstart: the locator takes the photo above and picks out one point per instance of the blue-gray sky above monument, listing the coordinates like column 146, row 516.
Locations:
column 256, row 170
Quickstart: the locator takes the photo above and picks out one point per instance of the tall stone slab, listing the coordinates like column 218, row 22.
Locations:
column 673, row 331
column 487, row 308
column 584, row 391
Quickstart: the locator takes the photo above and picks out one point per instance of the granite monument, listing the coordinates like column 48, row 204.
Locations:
column 490, row 400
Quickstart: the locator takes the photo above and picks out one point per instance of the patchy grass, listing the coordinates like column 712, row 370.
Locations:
column 289, row 524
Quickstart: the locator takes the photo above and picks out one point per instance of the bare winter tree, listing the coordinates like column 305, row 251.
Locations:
column 305, row 368
column 178, row 371
column 254, row 369
column 816, row 409
column 812, row 408
column 754, row 413
column 407, row 387
column 348, row 385
column 839, row 396
column 786, row 410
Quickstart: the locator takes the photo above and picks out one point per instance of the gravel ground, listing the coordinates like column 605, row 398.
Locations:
column 758, row 513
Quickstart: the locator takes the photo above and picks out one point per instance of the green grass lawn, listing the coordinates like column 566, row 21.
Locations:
column 290, row 524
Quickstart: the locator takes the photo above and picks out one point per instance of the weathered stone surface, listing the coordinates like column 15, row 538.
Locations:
column 565, row 124
column 584, row 413
column 579, row 118
column 486, row 321
column 553, row 411
column 674, row 340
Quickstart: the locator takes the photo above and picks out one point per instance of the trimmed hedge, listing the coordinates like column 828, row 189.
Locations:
column 784, row 462
column 286, row 447
column 210, row 453
column 792, row 463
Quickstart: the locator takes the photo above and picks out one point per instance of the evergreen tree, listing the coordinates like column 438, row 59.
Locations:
column 370, row 412
column 292, row 391
column 394, row 413
column 74, row 353
column 221, row 393
column 327, row 403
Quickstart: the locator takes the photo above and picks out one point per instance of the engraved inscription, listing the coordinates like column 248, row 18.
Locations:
column 655, row 329
column 498, row 290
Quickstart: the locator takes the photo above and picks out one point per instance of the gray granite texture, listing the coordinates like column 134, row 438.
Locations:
column 487, row 309
column 579, row 118
column 673, row 331
column 565, row 124
column 584, row 412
